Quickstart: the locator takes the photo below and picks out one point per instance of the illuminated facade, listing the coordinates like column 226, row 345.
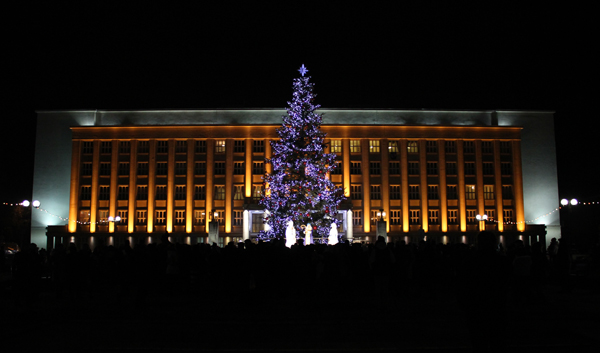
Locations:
column 431, row 172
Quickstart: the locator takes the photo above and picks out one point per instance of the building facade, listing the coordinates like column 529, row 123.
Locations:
column 112, row 176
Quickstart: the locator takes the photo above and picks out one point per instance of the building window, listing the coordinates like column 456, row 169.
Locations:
column 471, row 216
column 450, row 146
column 432, row 192
column 258, row 146
column 140, row 216
column 395, row 217
column 491, row 213
column 395, row 192
column 258, row 168
column 179, row 217
column 374, row 146
column 505, row 147
column 86, row 192
column 87, row 147
column 238, row 218
column 488, row 192
column 432, row 147
column 142, row 192
column 199, row 192
column 394, row 168
column 487, row 147
column 239, row 146
column 199, row 217
column 161, row 217
column 219, row 168
column 413, row 192
column 180, row 146
column 506, row 168
column 180, row 193
column 355, row 168
column 507, row 193
column 143, row 146
column 256, row 192
column 413, row 168
column 238, row 168
column 123, row 192
column 220, row 146
column 258, row 222
column 105, row 147
column 124, row 147
column 86, row 169
column 161, row 168
column 105, row 168
column 200, row 168
column 238, row 192
column 356, row 192
column 451, row 168
column 453, row 216
column 470, row 192
column 219, row 192
column 393, row 146
column 219, row 217
column 375, row 168
column 488, row 168
column 375, row 192
column 415, row 216
column 103, row 216
column 413, row 147
column 451, row 192
column 104, row 193
column 508, row 215
column 162, row 146
column 124, row 168
column 434, row 216
column 357, row 218
column 336, row 146
column 469, row 147
column 142, row 168
column 432, row 168
column 200, row 146
column 123, row 214
column 355, row 146
column 180, row 168
column 161, row 192
column 469, row 168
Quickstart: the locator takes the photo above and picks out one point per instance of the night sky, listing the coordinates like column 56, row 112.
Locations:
column 434, row 55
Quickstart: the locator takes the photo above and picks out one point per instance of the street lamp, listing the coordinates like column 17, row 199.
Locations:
column 481, row 219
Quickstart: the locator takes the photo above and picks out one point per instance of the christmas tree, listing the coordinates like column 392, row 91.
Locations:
column 298, row 189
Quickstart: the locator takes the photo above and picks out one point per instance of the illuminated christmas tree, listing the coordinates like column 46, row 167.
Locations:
column 299, row 189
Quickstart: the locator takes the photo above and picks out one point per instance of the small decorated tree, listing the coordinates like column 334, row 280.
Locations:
column 298, row 189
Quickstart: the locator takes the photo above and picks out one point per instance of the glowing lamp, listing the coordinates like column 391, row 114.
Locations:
column 117, row 219
column 25, row 203
column 574, row 202
column 36, row 204
column 564, row 202
column 111, row 219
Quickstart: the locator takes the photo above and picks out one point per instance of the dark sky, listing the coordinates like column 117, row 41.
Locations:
column 139, row 55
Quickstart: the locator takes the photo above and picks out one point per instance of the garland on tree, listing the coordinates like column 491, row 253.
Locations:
column 299, row 188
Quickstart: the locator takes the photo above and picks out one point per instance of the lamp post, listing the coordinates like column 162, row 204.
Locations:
column 481, row 219
column 381, row 225
column 566, row 204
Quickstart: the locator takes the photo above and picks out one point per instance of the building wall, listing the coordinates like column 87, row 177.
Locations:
column 54, row 153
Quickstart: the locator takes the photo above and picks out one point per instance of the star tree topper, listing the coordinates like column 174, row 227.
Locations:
column 303, row 70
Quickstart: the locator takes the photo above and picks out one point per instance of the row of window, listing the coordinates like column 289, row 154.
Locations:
column 162, row 146
column 414, row 192
column 395, row 216
column 161, row 192
column 431, row 146
column 431, row 168
column 258, row 146
column 258, row 167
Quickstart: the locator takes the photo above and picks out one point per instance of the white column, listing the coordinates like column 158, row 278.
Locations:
column 349, row 225
column 246, row 225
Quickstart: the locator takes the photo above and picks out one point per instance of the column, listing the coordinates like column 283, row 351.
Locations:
column 366, row 182
column 210, row 175
column 114, row 186
column 346, row 166
column 424, row 185
column 404, row 177
column 462, row 210
column 170, row 185
column 189, row 187
column 248, row 163
column 385, row 180
column 228, row 184
column 74, row 197
column 479, row 176
column 443, row 185
column 498, row 187
column 131, row 219
column 151, row 184
column 518, row 185
column 95, row 177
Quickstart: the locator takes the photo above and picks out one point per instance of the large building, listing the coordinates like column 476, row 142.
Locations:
column 173, row 171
